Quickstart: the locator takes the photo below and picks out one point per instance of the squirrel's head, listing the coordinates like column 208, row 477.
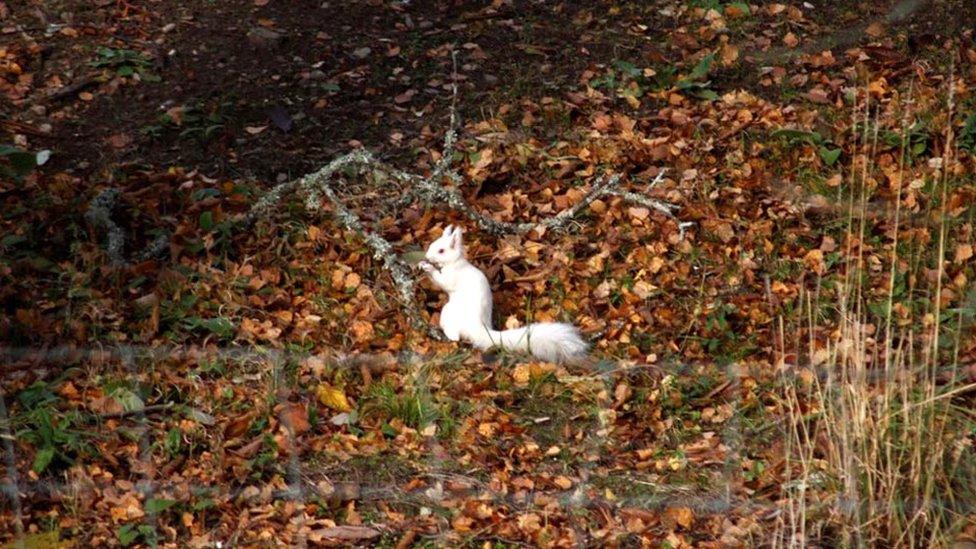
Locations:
column 446, row 249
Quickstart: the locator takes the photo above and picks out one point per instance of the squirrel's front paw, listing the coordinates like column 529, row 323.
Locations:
column 427, row 266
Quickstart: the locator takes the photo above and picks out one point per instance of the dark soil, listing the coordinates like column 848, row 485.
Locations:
column 268, row 92
column 279, row 89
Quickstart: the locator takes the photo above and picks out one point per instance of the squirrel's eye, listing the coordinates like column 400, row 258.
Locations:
column 440, row 251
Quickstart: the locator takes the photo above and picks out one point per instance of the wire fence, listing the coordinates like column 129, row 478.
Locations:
column 271, row 366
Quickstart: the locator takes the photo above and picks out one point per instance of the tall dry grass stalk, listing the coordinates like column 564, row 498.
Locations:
column 878, row 444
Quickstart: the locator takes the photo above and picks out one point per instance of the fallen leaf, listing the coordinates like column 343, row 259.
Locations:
column 729, row 54
column 119, row 140
column 963, row 252
column 404, row 97
column 681, row 516
column 237, row 427
column 294, row 416
column 361, row 330
column 333, row 398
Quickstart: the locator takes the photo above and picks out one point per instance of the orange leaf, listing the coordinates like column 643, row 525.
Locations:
column 963, row 252
column 680, row 516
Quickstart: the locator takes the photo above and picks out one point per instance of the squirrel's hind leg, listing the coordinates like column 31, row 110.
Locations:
column 451, row 322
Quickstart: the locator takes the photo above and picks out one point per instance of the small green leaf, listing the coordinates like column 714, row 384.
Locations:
column 701, row 69
column 201, row 194
column 627, row 68
column 156, row 506
column 128, row 399
column 12, row 240
column 206, row 221
column 219, row 326
column 43, row 459
column 20, row 162
column 127, row 534
column 741, row 6
column 705, row 93
column 203, row 504
column 829, row 156
column 919, row 148
column 791, row 135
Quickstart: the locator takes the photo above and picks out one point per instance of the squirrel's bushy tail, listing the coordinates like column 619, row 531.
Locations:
column 550, row 341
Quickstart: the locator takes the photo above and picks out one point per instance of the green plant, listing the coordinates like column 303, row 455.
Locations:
column 826, row 149
column 628, row 80
column 914, row 140
column 414, row 406
column 57, row 435
column 219, row 326
column 718, row 5
column 879, row 421
column 129, row 534
column 967, row 136
column 16, row 163
column 695, row 83
column 125, row 63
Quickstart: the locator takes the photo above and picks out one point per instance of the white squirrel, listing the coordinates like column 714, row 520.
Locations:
column 467, row 313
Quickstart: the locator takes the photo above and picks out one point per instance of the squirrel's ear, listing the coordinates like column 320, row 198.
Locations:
column 456, row 239
column 448, row 230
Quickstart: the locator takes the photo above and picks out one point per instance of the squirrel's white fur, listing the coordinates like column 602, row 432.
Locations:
column 467, row 313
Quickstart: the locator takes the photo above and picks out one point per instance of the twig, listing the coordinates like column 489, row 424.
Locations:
column 450, row 136
column 72, row 88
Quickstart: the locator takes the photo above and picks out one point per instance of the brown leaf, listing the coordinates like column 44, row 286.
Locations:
column 404, row 97
column 721, row 229
column 818, row 95
column 119, row 140
column 963, row 252
column 362, row 330
column 521, row 375
column 729, row 54
column 680, row 516
column 294, row 417
column 238, row 426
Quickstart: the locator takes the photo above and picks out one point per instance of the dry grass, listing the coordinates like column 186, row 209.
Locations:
column 879, row 448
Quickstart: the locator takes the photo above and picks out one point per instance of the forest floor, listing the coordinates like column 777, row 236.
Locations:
column 264, row 386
